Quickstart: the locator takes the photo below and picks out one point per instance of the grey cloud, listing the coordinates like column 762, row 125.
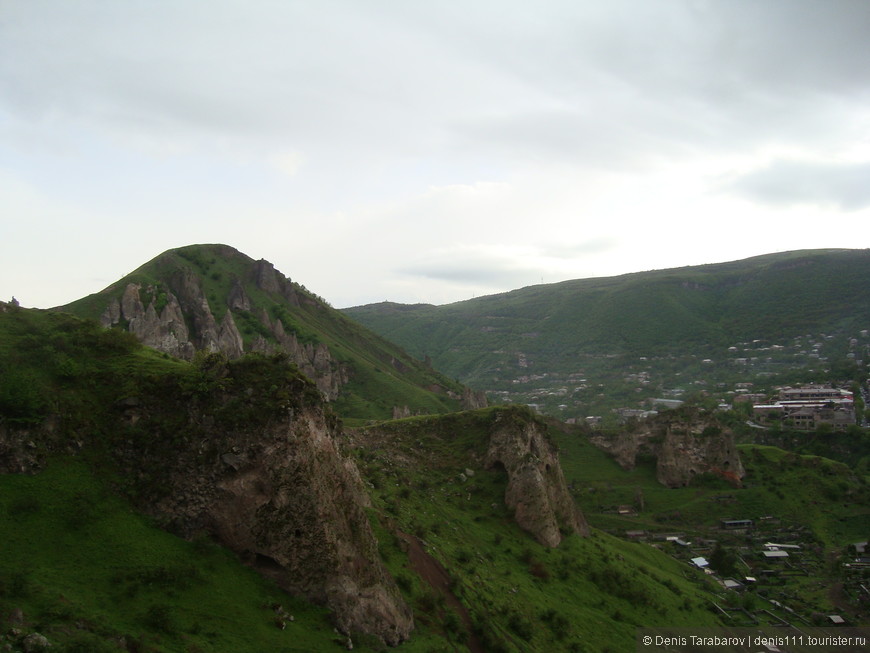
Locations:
column 844, row 185
column 586, row 81
column 493, row 274
column 590, row 247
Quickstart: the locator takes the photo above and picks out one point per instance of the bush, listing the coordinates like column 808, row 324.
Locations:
column 521, row 626
column 159, row 617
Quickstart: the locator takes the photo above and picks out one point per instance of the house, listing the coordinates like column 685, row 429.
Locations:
column 666, row 403
column 774, row 545
column 775, row 555
column 700, row 563
column 734, row 524
column 809, row 407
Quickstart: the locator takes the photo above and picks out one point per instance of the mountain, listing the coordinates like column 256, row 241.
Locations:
column 244, row 451
column 586, row 337
column 140, row 492
column 214, row 298
column 132, row 484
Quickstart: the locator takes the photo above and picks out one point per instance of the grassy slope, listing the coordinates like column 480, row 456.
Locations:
column 811, row 490
column 80, row 564
column 86, row 571
column 819, row 501
column 780, row 295
column 376, row 382
column 587, row 595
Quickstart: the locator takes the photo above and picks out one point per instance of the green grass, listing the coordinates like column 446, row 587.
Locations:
column 85, row 570
column 817, row 492
column 600, row 328
column 380, row 375
column 820, row 502
column 586, row 595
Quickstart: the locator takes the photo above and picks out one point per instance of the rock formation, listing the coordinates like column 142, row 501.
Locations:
column 536, row 490
column 684, row 442
column 246, row 452
column 472, row 400
column 293, row 506
column 179, row 320
column 512, row 441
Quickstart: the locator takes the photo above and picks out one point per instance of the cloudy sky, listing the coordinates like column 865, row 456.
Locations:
column 427, row 151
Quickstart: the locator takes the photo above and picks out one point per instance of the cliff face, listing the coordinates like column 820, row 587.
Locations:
column 536, row 490
column 179, row 320
column 247, row 453
column 509, row 440
column 293, row 506
column 685, row 443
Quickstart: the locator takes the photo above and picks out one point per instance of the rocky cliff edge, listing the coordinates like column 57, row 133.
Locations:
column 684, row 442
column 246, row 452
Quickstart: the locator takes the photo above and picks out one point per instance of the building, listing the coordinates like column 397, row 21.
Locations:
column 809, row 407
column 815, row 393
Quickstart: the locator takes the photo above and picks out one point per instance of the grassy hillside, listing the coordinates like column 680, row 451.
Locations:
column 663, row 322
column 500, row 590
column 84, row 570
column 81, row 567
column 92, row 576
column 773, row 296
column 819, row 504
column 381, row 374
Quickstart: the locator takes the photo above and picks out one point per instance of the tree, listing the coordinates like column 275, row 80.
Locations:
column 723, row 560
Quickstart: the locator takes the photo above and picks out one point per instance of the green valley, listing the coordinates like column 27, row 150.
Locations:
column 264, row 473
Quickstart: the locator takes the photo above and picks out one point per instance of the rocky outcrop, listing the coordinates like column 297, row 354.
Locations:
column 293, row 506
column 246, row 452
column 166, row 331
column 179, row 321
column 229, row 340
column 314, row 360
column 536, row 489
column 511, row 441
column 684, row 442
column 472, row 400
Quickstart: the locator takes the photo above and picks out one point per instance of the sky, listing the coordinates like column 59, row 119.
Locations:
column 430, row 152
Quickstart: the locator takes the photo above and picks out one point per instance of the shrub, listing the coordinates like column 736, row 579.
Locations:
column 160, row 617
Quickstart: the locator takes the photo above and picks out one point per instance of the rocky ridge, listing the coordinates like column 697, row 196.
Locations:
column 536, row 489
column 510, row 440
column 245, row 452
column 179, row 321
column 684, row 442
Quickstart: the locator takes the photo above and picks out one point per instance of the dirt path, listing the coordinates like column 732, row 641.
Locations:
column 433, row 572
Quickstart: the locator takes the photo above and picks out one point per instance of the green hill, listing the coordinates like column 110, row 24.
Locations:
column 601, row 329
column 108, row 431
column 213, row 297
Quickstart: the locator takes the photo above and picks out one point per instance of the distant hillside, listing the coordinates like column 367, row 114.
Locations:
column 214, row 298
column 702, row 310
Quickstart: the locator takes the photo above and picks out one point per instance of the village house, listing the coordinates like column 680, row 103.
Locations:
column 808, row 407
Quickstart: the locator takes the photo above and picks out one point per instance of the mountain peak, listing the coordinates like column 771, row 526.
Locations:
column 214, row 298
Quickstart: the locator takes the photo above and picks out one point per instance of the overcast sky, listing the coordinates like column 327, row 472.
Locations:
column 427, row 151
